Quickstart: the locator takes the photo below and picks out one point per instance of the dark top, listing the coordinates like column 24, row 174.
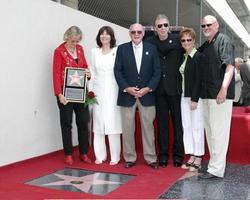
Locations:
column 170, row 52
column 219, row 53
column 245, row 76
column 126, row 73
column 192, row 73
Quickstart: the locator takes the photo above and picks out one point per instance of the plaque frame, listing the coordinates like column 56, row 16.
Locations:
column 75, row 84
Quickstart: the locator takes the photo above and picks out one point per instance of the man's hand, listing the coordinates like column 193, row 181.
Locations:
column 143, row 91
column 132, row 91
column 221, row 97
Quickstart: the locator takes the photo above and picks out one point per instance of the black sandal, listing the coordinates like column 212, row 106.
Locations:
column 187, row 165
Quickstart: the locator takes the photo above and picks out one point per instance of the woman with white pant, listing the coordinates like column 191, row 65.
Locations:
column 191, row 105
column 106, row 114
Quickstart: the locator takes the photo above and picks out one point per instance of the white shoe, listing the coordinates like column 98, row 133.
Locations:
column 98, row 162
column 113, row 163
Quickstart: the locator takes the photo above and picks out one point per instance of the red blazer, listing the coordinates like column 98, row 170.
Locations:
column 63, row 59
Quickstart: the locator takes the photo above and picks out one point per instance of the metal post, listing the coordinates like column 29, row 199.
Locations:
column 201, row 13
column 137, row 11
column 177, row 13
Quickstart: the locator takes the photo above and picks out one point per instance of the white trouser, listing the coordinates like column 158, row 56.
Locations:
column 217, row 120
column 193, row 127
column 114, row 146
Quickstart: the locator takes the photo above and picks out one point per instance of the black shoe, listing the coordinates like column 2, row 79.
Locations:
column 163, row 163
column 154, row 165
column 129, row 164
column 177, row 163
column 208, row 176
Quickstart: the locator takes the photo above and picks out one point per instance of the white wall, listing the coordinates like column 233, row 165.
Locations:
column 30, row 31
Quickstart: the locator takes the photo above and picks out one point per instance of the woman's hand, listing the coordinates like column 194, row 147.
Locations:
column 88, row 73
column 193, row 105
column 62, row 99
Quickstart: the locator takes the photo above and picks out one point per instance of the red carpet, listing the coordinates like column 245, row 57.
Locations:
column 147, row 183
column 239, row 146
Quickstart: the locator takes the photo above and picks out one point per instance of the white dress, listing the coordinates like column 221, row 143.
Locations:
column 106, row 114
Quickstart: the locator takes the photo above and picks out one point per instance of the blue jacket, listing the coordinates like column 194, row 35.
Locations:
column 126, row 73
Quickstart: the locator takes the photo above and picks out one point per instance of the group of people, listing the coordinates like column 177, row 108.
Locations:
column 162, row 76
column 242, row 82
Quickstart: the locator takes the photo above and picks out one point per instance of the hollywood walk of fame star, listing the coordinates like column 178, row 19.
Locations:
column 75, row 78
column 82, row 183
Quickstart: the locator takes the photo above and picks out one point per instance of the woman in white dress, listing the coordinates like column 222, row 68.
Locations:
column 106, row 114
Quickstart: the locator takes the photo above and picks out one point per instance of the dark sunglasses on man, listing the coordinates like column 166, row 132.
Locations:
column 160, row 25
column 205, row 25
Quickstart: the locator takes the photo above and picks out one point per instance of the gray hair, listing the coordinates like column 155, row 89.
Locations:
column 72, row 31
column 211, row 17
column 239, row 60
column 161, row 16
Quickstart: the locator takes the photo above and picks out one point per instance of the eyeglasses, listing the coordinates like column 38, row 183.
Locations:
column 187, row 40
column 74, row 41
column 160, row 25
column 206, row 25
column 136, row 32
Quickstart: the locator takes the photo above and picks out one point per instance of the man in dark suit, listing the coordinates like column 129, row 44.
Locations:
column 137, row 72
column 168, row 92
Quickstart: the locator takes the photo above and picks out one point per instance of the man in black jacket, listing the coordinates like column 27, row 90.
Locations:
column 168, row 92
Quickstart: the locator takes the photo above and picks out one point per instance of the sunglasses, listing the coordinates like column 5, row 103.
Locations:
column 187, row 40
column 205, row 25
column 136, row 32
column 160, row 25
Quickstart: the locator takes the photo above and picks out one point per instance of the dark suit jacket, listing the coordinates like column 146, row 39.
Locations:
column 127, row 76
column 245, row 76
column 170, row 52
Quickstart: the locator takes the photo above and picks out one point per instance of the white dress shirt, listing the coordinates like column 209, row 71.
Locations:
column 138, row 55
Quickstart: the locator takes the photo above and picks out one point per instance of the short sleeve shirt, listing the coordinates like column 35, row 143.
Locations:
column 219, row 53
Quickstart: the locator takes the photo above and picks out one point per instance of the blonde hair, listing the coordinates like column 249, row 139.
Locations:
column 188, row 31
column 72, row 31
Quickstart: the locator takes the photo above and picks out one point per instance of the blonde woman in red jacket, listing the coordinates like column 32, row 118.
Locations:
column 71, row 54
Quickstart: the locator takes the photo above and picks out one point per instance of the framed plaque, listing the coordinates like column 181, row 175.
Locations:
column 74, row 88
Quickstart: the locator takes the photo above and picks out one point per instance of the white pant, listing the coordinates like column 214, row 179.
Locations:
column 217, row 119
column 193, row 127
column 114, row 146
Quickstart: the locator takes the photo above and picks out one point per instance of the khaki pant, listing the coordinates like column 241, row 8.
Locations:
column 147, row 116
column 217, row 121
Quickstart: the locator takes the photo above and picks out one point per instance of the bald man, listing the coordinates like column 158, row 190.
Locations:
column 218, row 94
column 137, row 72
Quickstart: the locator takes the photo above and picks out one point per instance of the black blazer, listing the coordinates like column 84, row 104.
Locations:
column 193, row 76
column 126, row 73
column 170, row 52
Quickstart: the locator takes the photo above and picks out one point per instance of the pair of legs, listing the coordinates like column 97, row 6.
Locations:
column 147, row 116
column 82, row 118
column 100, row 148
column 193, row 133
column 165, row 105
column 217, row 119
